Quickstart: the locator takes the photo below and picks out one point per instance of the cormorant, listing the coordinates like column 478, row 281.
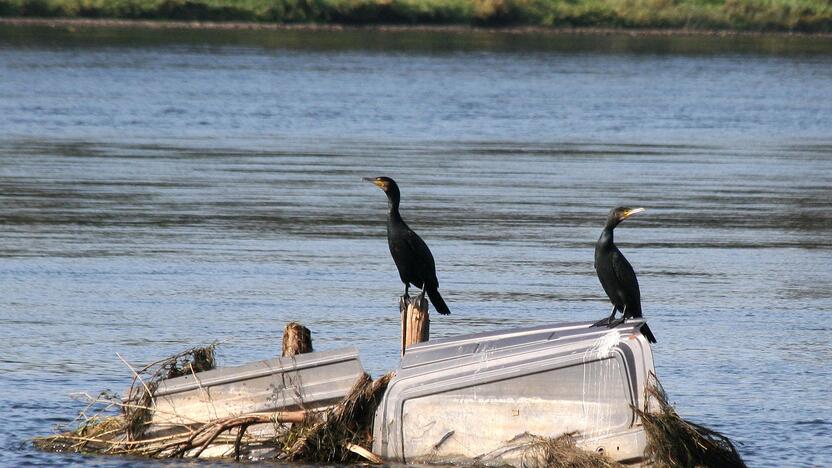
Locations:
column 412, row 256
column 617, row 275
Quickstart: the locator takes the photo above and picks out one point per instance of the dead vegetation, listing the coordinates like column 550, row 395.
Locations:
column 137, row 410
column 561, row 452
column 340, row 433
column 97, row 430
column 674, row 442
column 337, row 436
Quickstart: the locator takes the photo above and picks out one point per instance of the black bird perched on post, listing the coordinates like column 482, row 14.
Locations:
column 412, row 256
column 617, row 275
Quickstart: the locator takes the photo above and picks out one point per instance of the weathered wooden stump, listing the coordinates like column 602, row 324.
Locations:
column 415, row 320
column 297, row 339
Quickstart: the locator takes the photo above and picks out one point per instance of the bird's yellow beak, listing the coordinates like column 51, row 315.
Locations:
column 629, row 213
column 377, row 182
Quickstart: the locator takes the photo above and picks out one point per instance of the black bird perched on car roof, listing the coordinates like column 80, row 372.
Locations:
column 617, row 275
column 410, row 253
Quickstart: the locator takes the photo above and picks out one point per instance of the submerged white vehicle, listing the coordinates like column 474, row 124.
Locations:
column 470, row 398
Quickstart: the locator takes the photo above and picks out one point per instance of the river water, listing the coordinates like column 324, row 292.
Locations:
column 160, row 190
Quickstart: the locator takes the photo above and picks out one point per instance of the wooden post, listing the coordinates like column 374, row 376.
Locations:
column 415, row 321
column 297, row 339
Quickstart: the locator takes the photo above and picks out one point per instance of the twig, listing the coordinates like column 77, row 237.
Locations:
column 364, row 453
column 139, row 377
column 202, row 389
column 210, row 439
column 238, row 441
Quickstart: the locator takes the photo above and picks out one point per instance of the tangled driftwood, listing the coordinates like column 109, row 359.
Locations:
column 338, row 434
column 341, row 433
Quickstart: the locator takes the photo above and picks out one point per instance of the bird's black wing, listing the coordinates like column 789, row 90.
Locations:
column 422, row 258
column 627, row 283
column 426, row 271
column 607, row 277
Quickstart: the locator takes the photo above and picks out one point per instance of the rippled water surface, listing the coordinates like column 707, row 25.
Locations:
column 165, row 189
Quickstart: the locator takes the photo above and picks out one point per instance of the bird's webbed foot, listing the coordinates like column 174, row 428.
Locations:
column 602, row 323
column 606, row 322
column 615, row 322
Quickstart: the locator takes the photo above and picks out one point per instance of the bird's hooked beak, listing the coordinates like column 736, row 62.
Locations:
column 629, row 213
column 376, row 181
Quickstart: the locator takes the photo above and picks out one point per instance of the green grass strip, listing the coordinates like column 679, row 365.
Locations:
column 735, row 15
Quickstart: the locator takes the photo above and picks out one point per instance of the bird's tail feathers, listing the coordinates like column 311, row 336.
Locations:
column 438, row 302
column 645, row 330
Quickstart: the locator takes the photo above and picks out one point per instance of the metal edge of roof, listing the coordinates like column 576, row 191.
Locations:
column 497, row 334
column 534, row 357
column 459, row 347
column 254, row 370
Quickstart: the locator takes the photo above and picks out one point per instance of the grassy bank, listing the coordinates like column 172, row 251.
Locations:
column 736, row 15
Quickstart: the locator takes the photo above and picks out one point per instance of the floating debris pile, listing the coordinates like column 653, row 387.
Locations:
column 673, row 441
column 321, row 407
column 338, row 433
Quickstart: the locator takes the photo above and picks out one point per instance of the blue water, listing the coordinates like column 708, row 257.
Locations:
column 160, row 190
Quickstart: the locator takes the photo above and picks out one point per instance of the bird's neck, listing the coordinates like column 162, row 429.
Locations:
column 607, row 237
column 393, row 209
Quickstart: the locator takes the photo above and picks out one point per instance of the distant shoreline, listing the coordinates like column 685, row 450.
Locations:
column 426, row 28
